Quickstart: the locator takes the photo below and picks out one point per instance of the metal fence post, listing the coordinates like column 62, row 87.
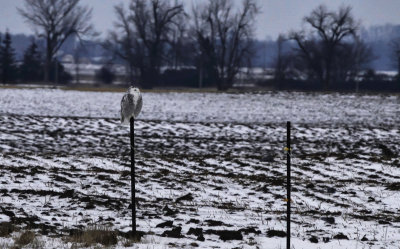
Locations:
column 288, row 185
column 132, row 126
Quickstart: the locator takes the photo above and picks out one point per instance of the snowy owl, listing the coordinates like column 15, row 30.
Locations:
column 131, row 105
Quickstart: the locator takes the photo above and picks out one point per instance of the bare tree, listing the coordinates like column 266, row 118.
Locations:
column 146, row 31
column 225, row 36
column 55, row 21
column 328, row 31
column 121, row 41
column 350, row 59
column 281, row 61
column 180, row 48
column 396, row 55
column 79, row 49
column 153, row 21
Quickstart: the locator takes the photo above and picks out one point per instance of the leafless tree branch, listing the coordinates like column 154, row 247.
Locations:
column 56, row 21
column 225, row 36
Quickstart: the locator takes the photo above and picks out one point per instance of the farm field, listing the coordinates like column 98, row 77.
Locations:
column 210, row 169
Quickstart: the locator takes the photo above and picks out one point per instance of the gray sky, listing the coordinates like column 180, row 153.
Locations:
column 277, row 16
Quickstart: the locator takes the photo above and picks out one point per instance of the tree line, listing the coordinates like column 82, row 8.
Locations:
column 214, row 37
column 330, row 52
column 30, row 68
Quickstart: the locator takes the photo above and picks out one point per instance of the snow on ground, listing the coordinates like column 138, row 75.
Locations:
column 210, row 163
column 273, row 107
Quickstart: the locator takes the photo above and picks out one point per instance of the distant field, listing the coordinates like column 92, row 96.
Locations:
column 210, row 168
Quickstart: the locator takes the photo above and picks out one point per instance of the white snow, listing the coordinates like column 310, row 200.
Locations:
column 214, row 147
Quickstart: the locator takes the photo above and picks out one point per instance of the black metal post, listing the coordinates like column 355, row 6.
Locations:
column 132, row 124
column 288, row 185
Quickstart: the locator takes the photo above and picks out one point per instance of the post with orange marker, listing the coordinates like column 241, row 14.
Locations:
column 288, row 185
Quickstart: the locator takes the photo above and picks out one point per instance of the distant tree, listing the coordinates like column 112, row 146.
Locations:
column 7, row 60
column 105, row 74
column 283, row 62
column 396, row 55
column 182, row 77
column 206, row 63
column 1, row 48
column 181, row 48
column 59, row 74
column 225, row 36
column 350, row 59
column 31, row 68
column 55, row 21
column 328, row 30
column 79, row 49
column 121, row 42
column 143, row 34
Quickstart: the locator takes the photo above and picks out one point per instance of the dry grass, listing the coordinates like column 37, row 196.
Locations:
column 6, row 228
column 25, row 238
column 129, row 242
column 95, row 235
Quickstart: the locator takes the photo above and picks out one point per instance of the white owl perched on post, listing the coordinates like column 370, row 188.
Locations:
column 131, row 105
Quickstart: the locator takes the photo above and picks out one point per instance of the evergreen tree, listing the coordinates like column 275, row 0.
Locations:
column 105, row 74
column 59, row 75
column 7, row 60
column 1, row 68
column 32, row 68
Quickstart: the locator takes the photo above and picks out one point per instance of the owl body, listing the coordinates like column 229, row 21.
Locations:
column 131, row 105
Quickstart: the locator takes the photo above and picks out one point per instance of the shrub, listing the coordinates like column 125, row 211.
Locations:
column 25, row 238
column 6, row 228
column 105, row 75
column 95, row 235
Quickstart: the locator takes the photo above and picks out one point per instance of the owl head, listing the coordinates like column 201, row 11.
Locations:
column 133, row 90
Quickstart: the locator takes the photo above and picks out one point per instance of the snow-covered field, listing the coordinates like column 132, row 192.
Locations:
column 210, row 168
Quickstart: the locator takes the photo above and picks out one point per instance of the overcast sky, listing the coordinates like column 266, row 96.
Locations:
column 277, row 16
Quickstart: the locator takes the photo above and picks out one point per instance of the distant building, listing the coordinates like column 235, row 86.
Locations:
column 67, row 59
